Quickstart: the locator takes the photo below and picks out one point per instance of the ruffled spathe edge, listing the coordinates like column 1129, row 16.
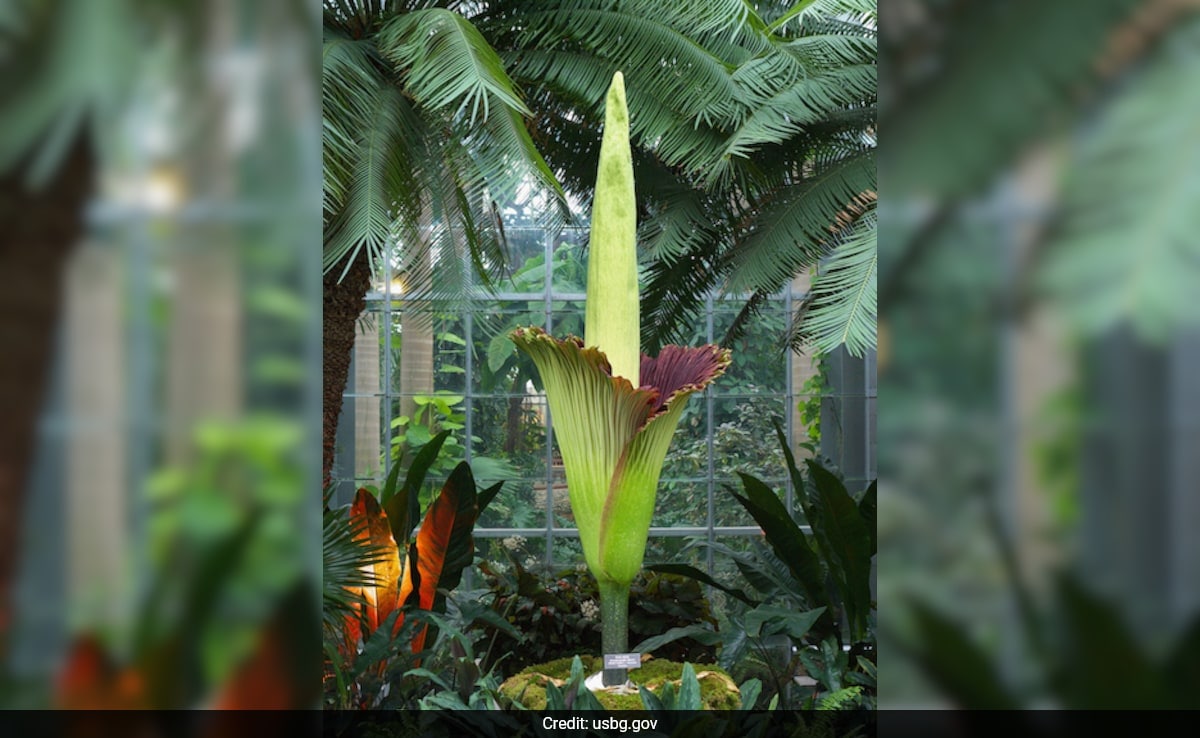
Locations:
column 676, row 371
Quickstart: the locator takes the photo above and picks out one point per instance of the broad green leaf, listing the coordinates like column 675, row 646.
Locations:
column 788, row 542
column 689, row 690
column 842, row 534
column 698, row 633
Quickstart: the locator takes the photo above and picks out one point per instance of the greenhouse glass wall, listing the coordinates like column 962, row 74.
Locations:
column 422, row 367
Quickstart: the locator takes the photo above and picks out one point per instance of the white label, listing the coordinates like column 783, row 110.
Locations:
column 622, row 660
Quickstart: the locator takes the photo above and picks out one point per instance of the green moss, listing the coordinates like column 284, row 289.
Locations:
column 717, row 690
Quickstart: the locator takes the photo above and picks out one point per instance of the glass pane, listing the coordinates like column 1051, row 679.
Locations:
column 567, row 318
column 449, row 353
column 511, row 429
column 681, row 504
column 566, row 552
column 570, row 262
column 515, row 506
column 499, row 368
column 526, row 249
column 675, row 550
column 758, row 363
column 744, row 438
column 727, row 510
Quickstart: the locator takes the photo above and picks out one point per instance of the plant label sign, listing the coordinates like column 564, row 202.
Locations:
column 622, row 660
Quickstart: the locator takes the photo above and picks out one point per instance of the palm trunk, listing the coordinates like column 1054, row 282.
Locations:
column 38, row 233
column 344, row 301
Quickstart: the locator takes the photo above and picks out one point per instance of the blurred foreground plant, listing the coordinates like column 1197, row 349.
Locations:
column 1082, row 653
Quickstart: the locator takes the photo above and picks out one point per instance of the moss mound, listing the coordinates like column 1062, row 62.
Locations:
column 528, row 687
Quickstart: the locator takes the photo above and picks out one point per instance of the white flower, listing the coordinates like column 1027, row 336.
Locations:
column 589, row 609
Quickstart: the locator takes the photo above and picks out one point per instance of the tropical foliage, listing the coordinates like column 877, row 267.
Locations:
column 399, row 572
column 814, row 589
column 754, row 133
column 424, row 133
column 754, row 138
column 1093, row 81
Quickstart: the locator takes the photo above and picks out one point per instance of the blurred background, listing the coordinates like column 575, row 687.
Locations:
column 160, row 188
column 1039, row 260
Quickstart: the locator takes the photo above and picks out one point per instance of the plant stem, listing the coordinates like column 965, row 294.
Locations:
column 614, row 626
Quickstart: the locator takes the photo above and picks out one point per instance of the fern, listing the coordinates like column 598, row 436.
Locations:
column 844, row 699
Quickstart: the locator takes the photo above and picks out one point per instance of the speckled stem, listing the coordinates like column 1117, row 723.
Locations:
column 614, row 626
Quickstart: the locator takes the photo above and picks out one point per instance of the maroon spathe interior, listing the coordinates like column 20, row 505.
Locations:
column 680, row 367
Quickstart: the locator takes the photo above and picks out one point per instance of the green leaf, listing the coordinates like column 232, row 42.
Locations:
column 378, row 647
column 698, row 633
column 1182, row 667
column 650, row 700
column 842, row 535
column 486, row 496
column 499, row 350
column 988, row 102
column 842, row 307
column 689, row 690
column 781, row 620
column 788, row 542
column 403, row 507
column 555, row 700
column 694, row 573
column 750, row 690
column 1094, row 638
column 868, row 509
column 1124, row 249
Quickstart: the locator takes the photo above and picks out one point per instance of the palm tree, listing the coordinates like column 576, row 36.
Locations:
column 424, row 132
column 755, row 133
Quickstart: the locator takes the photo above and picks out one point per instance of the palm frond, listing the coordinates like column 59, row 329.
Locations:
column 668, row 72
column 70, row 66
column 790, row 231
column 1125, row 247
column 381, row 183
column 447, row 63
column 804, row 11
column 787, row 113
column 842, row 307
column 350, row 81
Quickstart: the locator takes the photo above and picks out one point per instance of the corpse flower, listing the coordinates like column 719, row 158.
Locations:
column 614, row 408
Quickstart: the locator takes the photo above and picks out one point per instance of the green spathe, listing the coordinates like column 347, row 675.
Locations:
column 614, row 438
column 613, row 321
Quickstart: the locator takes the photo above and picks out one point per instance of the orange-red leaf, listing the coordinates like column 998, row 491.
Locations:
column 444, row 543
column 384, row 596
